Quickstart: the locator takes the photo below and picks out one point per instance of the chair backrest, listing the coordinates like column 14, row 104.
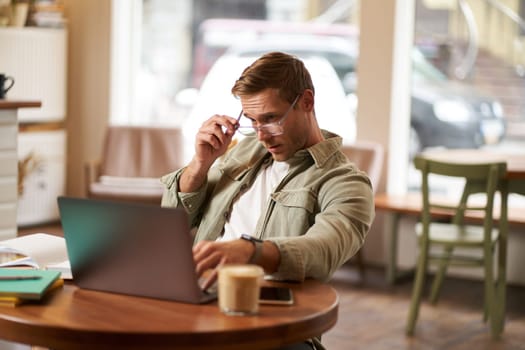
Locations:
column 367, row 156
column 479, row 178
column 133, row 151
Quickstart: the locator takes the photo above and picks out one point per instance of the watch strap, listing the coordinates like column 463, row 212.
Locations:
column 258, row 244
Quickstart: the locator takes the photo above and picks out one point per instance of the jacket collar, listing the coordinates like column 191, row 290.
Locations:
column 249, row 151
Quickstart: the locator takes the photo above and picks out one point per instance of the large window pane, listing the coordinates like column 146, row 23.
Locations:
column 456, row 100
column 468, row 83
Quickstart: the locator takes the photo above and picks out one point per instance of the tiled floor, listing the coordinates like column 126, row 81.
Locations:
column 372, row 315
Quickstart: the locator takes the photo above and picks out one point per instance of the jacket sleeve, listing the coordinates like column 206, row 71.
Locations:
column 346, row 212
column 192, row 202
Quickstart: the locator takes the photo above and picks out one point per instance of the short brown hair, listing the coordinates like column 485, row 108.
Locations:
column 275, row 70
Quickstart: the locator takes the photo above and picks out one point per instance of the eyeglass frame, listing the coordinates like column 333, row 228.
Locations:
column 262, row 127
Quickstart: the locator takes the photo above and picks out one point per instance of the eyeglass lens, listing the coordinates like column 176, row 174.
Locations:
column 273, row 128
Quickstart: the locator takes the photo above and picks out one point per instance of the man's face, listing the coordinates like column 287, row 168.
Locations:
column 267, row 107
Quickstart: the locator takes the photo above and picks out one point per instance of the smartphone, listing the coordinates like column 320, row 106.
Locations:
column 276, row 295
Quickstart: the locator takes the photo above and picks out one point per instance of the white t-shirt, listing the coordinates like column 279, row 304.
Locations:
column 249, row 205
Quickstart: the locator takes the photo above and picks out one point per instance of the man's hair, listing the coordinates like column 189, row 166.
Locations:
column 276, row 70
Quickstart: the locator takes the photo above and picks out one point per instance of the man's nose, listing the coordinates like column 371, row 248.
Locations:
column 262, row 136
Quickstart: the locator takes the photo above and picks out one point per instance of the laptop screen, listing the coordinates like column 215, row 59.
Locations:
column 130, row 248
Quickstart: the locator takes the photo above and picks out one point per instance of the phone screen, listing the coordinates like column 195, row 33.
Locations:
column 276, row 295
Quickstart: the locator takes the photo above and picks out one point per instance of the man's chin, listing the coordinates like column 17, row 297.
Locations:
column 279, row 157
column 278, row 153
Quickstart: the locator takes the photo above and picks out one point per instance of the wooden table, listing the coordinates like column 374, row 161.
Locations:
column 74, row 318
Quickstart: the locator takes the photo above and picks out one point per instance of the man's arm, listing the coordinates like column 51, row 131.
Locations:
column 270, row 257
column 338, row 231
column 193, row 176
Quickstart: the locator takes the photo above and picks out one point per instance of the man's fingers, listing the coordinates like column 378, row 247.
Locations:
column 207, row 262
column 209, row 280
column 212, row 278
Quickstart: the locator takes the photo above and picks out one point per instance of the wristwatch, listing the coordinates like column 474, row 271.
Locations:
column 258, row 244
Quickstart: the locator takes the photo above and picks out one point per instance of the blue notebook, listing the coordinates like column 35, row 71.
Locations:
column 15, row 282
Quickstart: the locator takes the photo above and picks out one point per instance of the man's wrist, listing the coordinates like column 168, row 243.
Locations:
column 258, row 245
column 193, row 176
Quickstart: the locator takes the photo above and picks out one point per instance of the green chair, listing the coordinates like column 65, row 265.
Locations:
column 446, row 236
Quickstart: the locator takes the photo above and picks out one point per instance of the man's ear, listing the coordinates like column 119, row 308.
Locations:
column 308, row 100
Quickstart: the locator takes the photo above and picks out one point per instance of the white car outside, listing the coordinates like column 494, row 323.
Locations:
column 334, row 110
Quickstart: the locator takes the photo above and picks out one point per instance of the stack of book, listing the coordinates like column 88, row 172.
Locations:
column 37, row 251
column 18, row 286
column 47, row 13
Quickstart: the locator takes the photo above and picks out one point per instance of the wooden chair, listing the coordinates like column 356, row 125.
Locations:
column 368, row 156
column 133, row 160
column 447, row 236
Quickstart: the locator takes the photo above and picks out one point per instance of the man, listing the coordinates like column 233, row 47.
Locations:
column 285, row 197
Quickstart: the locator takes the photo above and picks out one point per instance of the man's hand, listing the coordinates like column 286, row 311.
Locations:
column 210, row 255
column 211, row 142
column 214, row 137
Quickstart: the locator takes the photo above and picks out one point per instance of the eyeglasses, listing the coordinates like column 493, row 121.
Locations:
column 274, row 128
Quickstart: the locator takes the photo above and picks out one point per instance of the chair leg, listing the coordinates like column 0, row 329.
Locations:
column 489, row 302
column 497, row 318
column 440, row 274
column 418, row 287
column 500, row 298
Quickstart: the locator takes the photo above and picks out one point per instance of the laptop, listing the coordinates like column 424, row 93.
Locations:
column 131, row 248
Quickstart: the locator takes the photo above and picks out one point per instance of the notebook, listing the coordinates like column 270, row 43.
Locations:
column 131, row 248
column 26, row 284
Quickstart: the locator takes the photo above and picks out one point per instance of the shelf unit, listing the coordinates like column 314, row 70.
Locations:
column 37, row 59
column 9, row 166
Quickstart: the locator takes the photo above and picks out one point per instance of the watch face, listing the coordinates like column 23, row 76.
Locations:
column 250, row 238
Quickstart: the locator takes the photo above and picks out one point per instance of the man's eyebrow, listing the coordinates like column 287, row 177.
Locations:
column 264, row 116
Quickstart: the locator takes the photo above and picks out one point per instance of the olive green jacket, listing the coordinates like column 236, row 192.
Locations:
column 318, row 216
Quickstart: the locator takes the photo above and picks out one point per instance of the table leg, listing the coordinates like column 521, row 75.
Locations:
column 391, row 229
column 391, row 236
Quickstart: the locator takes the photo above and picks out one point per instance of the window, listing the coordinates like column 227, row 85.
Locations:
column 168, row 47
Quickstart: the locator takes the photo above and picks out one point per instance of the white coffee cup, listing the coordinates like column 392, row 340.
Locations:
column 239, row 288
